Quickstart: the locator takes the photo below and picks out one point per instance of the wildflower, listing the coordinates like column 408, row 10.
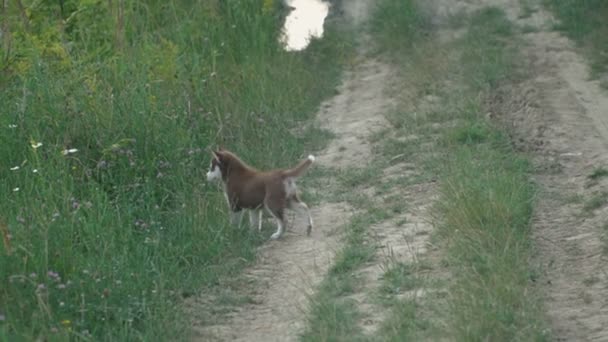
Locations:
column 75, row 204
column 54, row 275
column 33, row 275
column 61, row 304
column 35, row 144
column 12, row 126
column 69, row 151
column 102, row 164
column 16, row 189
column 15, row 168
column 41, row 287
column 35, row 170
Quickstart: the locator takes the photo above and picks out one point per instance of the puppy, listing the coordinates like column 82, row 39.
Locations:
column 248, row 188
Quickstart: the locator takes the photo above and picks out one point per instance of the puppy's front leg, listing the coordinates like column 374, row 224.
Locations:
column 236, row 217
column 255, row 219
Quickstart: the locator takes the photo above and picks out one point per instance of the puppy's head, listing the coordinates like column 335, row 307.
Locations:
column 218, row 166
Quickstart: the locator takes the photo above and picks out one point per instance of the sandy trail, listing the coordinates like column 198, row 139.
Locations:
column 288, row 270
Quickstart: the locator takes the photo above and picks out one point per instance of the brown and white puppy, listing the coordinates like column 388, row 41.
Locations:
column 248, row 188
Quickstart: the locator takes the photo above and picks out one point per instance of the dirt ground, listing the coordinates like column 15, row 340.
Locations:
column 555, row 113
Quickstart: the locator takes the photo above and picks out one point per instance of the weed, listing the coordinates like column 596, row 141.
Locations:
column 332, row 316
column 585, row 22
column 597, row 201
column 399, row 278
column 598, row 173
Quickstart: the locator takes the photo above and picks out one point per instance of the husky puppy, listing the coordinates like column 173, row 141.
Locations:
column 248, row 188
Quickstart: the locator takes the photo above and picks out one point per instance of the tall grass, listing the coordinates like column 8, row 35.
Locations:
column 585, row 22
column 107, row 219
column 486, row 202
column 397, row 25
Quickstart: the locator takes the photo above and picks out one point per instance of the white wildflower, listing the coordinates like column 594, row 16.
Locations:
column 35, row 170
column 69, row 151
column 15, row 168
column 35, row 144
column 12, row 126
column 16, row 189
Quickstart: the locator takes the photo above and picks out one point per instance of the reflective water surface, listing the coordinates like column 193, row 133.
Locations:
column 303, row 22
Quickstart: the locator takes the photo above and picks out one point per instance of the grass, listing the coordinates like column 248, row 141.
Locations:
column 598, row 173
column 585, row 22
column 486, row 203
column 333, row 315
column 103, row 242
column 486, row 198
column 597, row 201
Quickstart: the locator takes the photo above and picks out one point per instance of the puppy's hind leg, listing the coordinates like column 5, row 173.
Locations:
column 279, row 215
column 296, row 204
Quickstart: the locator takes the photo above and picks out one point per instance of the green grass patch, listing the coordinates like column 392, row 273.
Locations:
column 596, row 202
column 109, row 108
column 395, row 24
column 598, row 173
column 487, row 58
column 399, row 278
column 484, row 210
column 585, row 22
column 332, row 315
column 486, row 204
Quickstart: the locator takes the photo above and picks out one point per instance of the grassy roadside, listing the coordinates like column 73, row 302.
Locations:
column 585, row 22
column 333, row 315
column 106, row 220
column 484, row 209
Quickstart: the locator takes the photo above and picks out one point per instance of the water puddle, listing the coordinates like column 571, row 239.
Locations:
column 303, row 22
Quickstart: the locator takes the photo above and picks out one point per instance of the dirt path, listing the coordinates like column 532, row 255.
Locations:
column 560, row 116
column 288, row 270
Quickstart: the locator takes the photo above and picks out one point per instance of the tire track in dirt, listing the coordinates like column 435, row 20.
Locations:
column 559, row 115
column 287, row 271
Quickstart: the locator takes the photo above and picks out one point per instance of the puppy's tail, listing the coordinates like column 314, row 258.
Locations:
column 300, row 168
